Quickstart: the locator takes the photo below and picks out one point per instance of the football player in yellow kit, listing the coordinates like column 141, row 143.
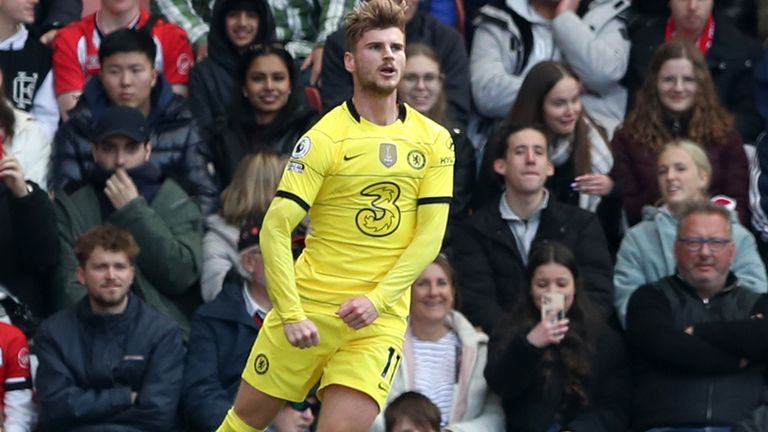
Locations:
column 376, row 178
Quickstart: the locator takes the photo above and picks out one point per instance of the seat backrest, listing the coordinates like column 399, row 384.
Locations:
column 313, row 96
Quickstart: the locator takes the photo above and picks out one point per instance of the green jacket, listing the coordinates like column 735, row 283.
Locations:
column 169, row 234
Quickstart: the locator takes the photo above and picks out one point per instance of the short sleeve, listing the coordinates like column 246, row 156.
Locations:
column 310, row 161
column 68, row 74
column 437, row 186
column 178, row 57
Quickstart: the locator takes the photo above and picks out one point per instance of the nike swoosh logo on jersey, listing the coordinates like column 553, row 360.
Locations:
column 348, row 158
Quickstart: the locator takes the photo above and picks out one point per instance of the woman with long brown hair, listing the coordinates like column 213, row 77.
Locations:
column 268, row 113
column 678, row 100
column 565, row 371
column 578, row 146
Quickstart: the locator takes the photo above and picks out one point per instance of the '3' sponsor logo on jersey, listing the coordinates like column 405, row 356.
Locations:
column 382, row 216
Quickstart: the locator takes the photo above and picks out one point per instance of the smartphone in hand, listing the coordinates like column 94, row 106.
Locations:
column 552, row 306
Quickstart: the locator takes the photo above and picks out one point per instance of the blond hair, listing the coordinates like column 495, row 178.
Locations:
column 697, row 154
column 252, row 188
column 370, row 15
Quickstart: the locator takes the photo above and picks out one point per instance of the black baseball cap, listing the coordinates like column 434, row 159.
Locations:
column 121, row 120
column 249, row 234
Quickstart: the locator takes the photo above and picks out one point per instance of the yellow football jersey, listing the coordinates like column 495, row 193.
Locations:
column 361, row 184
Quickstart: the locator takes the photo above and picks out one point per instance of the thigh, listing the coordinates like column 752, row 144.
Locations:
column 366, row 362
column 346, row 410
column 279, row 369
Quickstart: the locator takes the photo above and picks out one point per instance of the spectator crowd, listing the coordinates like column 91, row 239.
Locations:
column 611, row 156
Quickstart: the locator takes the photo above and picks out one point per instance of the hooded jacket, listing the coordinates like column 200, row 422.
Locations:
column 213, row 81
column 595, row 45
column 237, row 134
column 177, row 147
column 647, row 255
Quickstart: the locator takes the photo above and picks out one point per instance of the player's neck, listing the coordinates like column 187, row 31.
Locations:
column 377, row 109
column 109, row 22
column 8, row 27
column 523, row 204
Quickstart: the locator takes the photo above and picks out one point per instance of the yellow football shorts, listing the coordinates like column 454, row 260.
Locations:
column 365, row 359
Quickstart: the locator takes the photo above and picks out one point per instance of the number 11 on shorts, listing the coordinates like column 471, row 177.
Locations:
column 392, row 353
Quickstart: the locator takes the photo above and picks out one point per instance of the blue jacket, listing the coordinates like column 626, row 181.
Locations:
column 90, row 364
column 177, row 147
column 647, row 255
column 219, row 345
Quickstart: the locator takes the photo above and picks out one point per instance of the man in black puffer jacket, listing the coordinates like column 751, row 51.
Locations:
column 700, row 341
column 128, row 78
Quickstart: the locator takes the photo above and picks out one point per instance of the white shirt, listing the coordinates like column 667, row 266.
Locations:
column 524, row 230
column 436, row 371
column 251, row 305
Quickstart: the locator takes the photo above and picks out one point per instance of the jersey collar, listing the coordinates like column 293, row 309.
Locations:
column 353, row 110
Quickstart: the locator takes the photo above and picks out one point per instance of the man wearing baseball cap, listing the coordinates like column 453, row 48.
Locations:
column 223, row 331
column 128, row 190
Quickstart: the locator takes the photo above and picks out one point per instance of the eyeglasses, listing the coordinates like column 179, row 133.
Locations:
column 429, row 78
column 695, row 244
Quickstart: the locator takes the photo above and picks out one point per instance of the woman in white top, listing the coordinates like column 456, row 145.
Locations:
column 444, row 357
